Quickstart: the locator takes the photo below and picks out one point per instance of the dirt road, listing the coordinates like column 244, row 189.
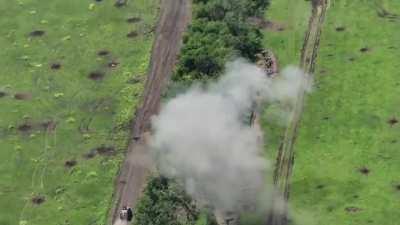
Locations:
column 285, row 158
column 174, row 18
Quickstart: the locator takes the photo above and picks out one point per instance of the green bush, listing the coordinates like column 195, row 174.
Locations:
column 218, row 32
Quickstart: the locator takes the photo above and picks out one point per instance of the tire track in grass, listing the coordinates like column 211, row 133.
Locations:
column 285, row 158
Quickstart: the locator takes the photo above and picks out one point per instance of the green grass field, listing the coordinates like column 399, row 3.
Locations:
column 347, row 159
column 60, row 100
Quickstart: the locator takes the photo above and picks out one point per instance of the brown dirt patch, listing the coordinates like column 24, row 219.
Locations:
column 352, row 209
column 23, row 96
column 132, row 34
column 113, row 64
column 364, row 50
column 49, row 125
column 26, row 127
column 70, row 163
column 266, row 24
column 393, row 121
column 364, row 170
column 105, row 150
column 103, row 53
column 90, row 155
column 340, row 29
column 37, row 200
column 96, row 75
column 133, row 20
column 55, row 66
column 37, row 33
column 3, row 94
column 120, row 3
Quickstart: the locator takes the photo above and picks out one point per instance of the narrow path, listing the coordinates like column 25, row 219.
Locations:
column 285, row 159
column 174, row 18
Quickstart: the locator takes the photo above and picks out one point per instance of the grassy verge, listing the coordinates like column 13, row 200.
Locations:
column 347, row 158
column 65, row 107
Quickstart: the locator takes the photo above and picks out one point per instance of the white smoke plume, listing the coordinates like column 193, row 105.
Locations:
column 201, row 137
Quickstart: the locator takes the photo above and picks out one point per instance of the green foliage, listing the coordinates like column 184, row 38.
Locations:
column 219, row 31
column 165, row 203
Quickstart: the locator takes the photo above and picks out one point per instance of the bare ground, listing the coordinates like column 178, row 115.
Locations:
column 285, row 159
column 174, row 18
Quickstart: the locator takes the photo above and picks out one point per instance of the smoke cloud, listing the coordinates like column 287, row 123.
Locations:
column 203, row 139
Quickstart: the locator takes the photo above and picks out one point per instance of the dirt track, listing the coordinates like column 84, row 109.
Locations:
column 174, row 18
column 285, row 159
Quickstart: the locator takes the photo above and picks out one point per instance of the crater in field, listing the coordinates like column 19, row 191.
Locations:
column 132, row 34
column 49, row 125
column 365, row 49
column 105, row 150
column 22, row 96
column 120, row 3
column 55, row 66
column 339, row 29
column 91, row 154
column 103, row 53
column 352, row 209
column 364, row 170
column 70, row 163
column 37, row 200
column 96, row 75
column 133, row 20
column 393, row 121
column 2, row 94
column 37, row 33
column 113, row 64
column 26, row 127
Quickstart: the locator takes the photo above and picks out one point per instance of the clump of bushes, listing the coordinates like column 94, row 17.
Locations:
column 164, row 202
column 218, row 32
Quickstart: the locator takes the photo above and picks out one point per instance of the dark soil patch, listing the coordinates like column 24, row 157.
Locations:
column 96, row 75
column 113, row 64
column 37, row 33
column 364, row 50
column 26, row 127
column 393, row 121
column 22, row 96
column 133, row 20
column 55, row 66
column 49, row 125
column 37, row 200
column 90, row 155
column 352, row 209
column 105, row 150
column 132, row 34
column 120, row 3
column 340, row 29
column 2, row 94
column 103, row 53
column 364, row 170
column 70, row 163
